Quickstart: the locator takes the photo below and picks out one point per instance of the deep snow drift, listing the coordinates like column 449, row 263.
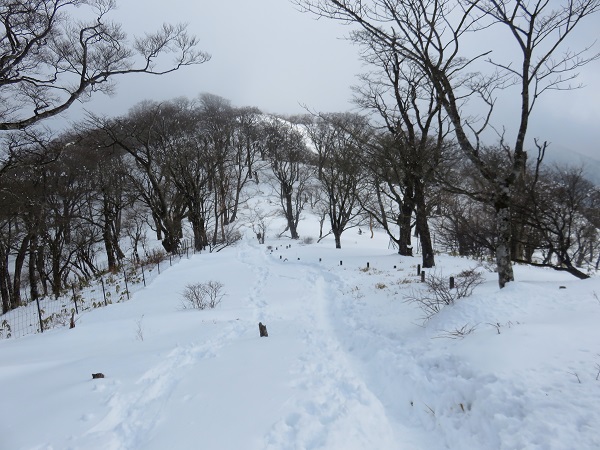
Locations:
column 348, row 364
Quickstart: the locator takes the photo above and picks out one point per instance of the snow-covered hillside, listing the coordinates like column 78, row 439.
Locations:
column 348, row 364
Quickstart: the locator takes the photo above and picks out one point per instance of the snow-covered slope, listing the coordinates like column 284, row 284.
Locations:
column 347, row 365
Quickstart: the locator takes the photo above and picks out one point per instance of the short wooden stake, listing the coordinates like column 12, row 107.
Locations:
column 423, row 276
column 126, row 284
column 75, row 299
column 451, row 282
column 104, row 291
column 262, row 329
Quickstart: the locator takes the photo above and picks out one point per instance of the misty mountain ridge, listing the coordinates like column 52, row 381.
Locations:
column 564, row 157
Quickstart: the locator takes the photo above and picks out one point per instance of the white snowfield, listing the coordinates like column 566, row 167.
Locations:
column 348, row 364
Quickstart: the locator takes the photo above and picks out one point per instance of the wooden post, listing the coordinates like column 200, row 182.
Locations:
column 262, row 329
column 75, row 299
column 418, row 269
column 367, row 265
column 103, row 291
column 451, row 282
column 37, row 300
column 340, row 263
column 422, row 276
column 126, row 286
column 143, row 276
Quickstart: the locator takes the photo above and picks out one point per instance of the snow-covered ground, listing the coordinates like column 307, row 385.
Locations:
column 348, row 363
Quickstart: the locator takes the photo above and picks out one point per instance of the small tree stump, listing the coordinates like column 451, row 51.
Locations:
column 97, row 375
column 262, row 329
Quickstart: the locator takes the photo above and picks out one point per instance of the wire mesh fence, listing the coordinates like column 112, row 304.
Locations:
column 37, row 316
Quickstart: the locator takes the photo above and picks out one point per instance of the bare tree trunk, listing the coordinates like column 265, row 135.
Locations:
column 32, row 268
column 289, row 215
column 405, row 219
column 4, row 280
column 422, row 228
column 19, row 261
column 503, row 245
column 199, row 230
column 337, row 235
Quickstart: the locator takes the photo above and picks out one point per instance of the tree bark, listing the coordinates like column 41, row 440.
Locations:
column 4, row 280
column 33, row 278
column 289, row 213
column 19, row 261
column 404, row 221
column 503, row 245
column 422, row 227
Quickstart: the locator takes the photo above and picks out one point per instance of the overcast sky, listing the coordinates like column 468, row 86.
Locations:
column 267, row 54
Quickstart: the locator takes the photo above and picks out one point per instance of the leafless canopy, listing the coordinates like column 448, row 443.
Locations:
column 49, row 59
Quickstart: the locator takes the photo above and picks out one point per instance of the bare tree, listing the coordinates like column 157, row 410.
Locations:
column 49, row 59
column 401, row 97
column 146, row 134
column 430, row 35
column 338, row 139
column 285, row 148
column 558, row 210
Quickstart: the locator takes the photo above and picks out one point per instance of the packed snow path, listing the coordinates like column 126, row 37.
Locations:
column 346, row 364
column 215, row 383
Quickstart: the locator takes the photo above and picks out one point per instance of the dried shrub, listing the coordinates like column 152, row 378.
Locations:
column 457, row 333
column 154, row 257
column 439, row 294
column 202, row 295
column 5, row 330
column 57, row 319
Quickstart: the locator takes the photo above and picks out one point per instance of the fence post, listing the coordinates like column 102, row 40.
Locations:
column 103, row 291
column 143, row 276
column 451, row 282
column 126, row 285
column 75, row 299
column 422, row 276
column 37, row 300
column 418, row 269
